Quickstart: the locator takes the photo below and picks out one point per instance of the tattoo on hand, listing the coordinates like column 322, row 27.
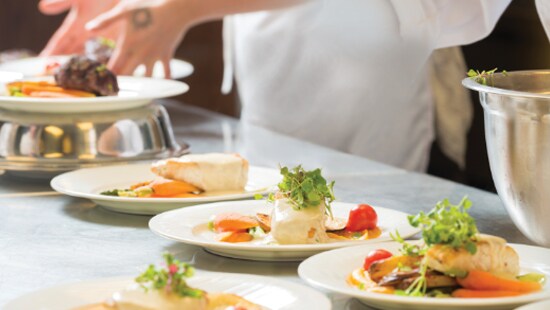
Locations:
column 142, row 18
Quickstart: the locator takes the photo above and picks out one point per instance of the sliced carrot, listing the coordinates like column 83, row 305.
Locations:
column 169, row 188
column 27, row 89
column 233, row 222
column 235, row 236
column 486, row 281
column 47, row 90
column 49, row 94
column 78, row 93
column 466, row 293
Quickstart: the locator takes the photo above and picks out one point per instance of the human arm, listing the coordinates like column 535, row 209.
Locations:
column 152, row 29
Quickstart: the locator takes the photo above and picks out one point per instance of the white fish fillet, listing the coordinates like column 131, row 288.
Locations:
column 209, row 172
column 290, row 226
column 493, row 255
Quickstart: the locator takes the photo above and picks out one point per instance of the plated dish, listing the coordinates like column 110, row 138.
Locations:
column 96, row 183
column 299, row 220
column 205, row 290
column 191, row 226
column 453, row 266
column 134, row 92
column 191, row 176
column 82, row 85
column 79, row 77
column 301, row 214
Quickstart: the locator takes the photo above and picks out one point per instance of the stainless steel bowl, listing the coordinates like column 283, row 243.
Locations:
column 39, row 145
column 517, row 128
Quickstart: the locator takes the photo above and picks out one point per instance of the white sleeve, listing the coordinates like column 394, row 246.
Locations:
column 543, row 8
column 451, row 22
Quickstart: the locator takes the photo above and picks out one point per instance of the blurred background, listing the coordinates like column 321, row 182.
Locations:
column 518, row 42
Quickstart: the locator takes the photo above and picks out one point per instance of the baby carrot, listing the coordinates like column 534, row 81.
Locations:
column 486, row 281
column 235, row 236
column 233, row 222
column 169, row 188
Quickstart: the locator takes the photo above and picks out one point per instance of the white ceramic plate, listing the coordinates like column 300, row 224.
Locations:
column 329, row 271
column 191, row 226
column 134, row 92
column 541, row 305
column 88, row 183
column 36, row 66
column 274, row 294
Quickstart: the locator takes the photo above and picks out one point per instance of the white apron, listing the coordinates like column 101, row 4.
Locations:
column 351, row 74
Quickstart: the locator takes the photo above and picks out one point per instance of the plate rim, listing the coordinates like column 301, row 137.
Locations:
column 178, row 89
column 404, row 300
column 54, row 184
column 281, row 283
column 270, row 248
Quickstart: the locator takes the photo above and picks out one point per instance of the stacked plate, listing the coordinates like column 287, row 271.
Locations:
column 42, row 137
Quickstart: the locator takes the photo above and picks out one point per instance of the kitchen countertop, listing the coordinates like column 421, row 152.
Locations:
column 48, row 239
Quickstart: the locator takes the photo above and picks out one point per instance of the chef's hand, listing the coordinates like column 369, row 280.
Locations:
column 71, row 36
column 151, row 31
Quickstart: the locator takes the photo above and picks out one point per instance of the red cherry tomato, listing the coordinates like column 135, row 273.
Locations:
column 375, row 256
column 362, row 217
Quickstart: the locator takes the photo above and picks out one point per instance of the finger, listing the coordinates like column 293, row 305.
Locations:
column 124, row 61
column 166, row 65
column 149, row 66
column 128, row 66
column 54, row 7
column 62, row 45
column 107, row 19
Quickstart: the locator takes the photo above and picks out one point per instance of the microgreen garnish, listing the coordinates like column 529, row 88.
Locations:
column 445, row 224
column 484, row 77
column 171, row 278
column 448, row 224
column 106, row 41
column 419, row 286
column 305, row 188
column 112, row 192
column 257, row 232
column 408, row 249
column 101, row 68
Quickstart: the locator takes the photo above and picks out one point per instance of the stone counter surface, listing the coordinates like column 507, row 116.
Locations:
column 48, row 239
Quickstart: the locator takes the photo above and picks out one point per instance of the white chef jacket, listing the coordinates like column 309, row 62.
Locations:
column 351, row 74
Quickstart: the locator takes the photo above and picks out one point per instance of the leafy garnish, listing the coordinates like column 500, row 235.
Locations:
column 305, row 188
column 106, row 41
column 484, row 77
column 532, row 277
column 419, row 286
column 445, row 224
column 448, row 224
column 408, row 249
column 112, row 192
column 171, row 278
column 257, row 232
column 101, row 68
